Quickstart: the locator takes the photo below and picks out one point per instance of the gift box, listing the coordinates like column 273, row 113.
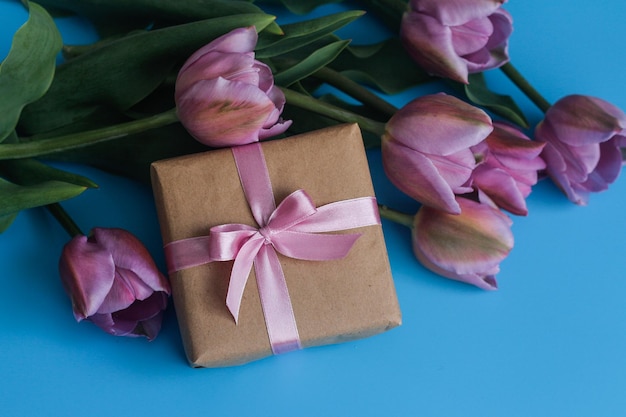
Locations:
column 336, row 300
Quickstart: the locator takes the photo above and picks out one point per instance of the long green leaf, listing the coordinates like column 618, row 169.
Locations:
column 311, row 64
column 30, row 171
column 17, row 197
column 297, row 35
column 6, row 221
column 28, row 69
column 478, row 92
column 118, row 16
column 123, row 72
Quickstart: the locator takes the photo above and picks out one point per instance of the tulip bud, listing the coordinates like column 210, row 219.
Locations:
column 508, row 167
column 451, row 38
column 113, row 282
column 426, row 149
column 225, row 97
column 467, row 247
column 583, row 136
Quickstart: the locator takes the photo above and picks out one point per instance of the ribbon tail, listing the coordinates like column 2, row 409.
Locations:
column 239, row 275
column 276, row 303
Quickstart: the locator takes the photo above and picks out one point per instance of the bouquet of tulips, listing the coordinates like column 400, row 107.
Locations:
column 173, row 78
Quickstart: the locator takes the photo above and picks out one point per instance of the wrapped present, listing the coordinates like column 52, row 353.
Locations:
column 274, row 246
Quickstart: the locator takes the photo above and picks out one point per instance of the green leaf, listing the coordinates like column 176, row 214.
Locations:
column 478, row 92
column 120, row 16
column 385, row 66
column 28, row 69
column 15, row 198
column 318, row 59
column 297, row 35
column 30, row 171
column 123, row 72
column 131, row 156
column 6, row 221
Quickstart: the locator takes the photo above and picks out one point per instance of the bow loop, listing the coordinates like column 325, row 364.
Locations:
column 294, row 209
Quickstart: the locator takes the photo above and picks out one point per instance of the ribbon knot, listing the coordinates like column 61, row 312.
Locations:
column 296, row 229
column 266, row 232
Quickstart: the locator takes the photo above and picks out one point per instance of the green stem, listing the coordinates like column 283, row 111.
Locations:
column 518, row 79
column 82, row 139
column 64, row 219
column 355, row 90
column 337, row 113
column 396, row 216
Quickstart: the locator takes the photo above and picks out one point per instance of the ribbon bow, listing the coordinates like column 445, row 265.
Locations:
column 294, row 229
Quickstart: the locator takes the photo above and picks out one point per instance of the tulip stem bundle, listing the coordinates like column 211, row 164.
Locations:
column 48, row 146
column 395, row 216
column 355, row 90
column 64, row 219
column 518, row 79
column 337, row 113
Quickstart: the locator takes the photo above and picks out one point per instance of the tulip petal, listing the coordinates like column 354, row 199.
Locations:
column 608, row 168
column 463, row 246
column 144, row 309
column 115, row 327
column 87, row 272
column 151, row 327
column 439, row 124
column 234, row 116
column 456, row 12
column 232, row 66
column 429, row 43
column 471, row 36
column 418, row 177
column 502, row 188
column 127, row 287
column 240, row 40
column 129, row 253
column 581, row 120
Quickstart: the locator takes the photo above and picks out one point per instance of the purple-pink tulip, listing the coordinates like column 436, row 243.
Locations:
column 467, row 247
column 225, row 97
column 426, row 149
column 452, row 38
column 509, row 162
column 113, row 282
column 583, row 136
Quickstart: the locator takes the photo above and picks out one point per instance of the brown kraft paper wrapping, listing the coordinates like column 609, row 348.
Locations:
column 333, row 301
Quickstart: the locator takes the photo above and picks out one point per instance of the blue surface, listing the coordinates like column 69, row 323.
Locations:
column 550, row 342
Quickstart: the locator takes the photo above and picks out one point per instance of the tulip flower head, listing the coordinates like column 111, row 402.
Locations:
column 509, row 162
column 452, row 38
column 426, row 149
column 113, row 282
column 467, row 247
column 583, row 136
column 225, row 97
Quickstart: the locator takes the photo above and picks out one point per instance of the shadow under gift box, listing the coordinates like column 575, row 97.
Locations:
column 333, row 301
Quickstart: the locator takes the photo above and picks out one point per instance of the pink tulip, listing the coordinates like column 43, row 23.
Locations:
column 225, row 97
column 113, row 282
column 426, row 149
column 583, row 136
column 467, row 247
column 452, row 38
column 508, row 167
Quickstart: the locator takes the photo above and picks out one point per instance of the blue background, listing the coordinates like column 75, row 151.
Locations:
column 550, row 342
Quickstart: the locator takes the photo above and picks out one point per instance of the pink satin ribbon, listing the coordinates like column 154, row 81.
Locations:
column 292, row 229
